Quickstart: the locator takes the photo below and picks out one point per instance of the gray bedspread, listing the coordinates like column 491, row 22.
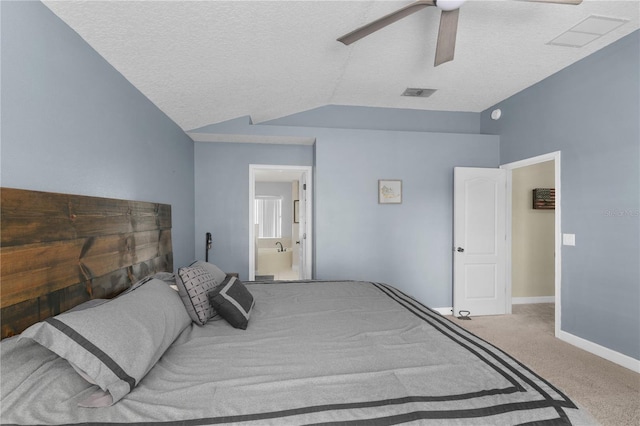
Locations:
column 314, row 352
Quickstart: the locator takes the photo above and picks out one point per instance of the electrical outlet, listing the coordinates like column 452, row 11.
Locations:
column 569, row 239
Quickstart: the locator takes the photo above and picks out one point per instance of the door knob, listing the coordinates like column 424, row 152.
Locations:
column 460, row 250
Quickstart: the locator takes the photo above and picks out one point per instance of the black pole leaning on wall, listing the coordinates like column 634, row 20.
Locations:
column 207, row 247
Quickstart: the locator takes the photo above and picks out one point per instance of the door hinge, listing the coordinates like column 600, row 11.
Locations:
column 304, row 236
column 304, row 186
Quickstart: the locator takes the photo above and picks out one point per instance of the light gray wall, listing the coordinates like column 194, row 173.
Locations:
column 406, row 245
column 222, row 196
column 280, row 189
column 372, row 118
column 590, row 111
column 72, row 124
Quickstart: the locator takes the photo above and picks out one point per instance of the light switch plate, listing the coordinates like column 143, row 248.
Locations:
column 569, row 239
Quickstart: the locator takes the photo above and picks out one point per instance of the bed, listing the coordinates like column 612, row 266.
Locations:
column 312, row 352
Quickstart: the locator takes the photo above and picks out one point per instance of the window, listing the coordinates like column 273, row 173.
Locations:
column 268, row 215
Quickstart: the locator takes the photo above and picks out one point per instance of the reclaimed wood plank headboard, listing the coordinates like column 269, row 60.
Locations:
column 59, row 250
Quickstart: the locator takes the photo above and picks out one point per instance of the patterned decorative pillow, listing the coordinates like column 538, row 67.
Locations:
column 194, row 284
column 233, row 302
column 218, row 274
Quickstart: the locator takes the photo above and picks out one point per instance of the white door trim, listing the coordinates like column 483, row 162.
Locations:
column 552, row 156
column 308, row 212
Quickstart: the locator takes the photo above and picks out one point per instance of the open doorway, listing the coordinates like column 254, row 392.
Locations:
column 280, row 222
column 533, row 235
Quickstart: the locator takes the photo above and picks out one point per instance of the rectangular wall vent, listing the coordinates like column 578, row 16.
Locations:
column 418, row 93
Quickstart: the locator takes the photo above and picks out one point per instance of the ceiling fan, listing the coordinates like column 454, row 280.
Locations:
column 450, row 10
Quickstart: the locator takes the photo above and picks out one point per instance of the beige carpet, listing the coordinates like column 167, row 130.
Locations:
column 609, row 392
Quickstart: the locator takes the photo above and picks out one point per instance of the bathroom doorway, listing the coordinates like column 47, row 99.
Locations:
column 280, row 222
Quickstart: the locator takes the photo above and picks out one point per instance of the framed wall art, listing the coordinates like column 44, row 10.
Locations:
column 389, row 191
column 544, row 198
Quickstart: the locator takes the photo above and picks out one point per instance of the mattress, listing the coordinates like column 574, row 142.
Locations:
column 317, row 352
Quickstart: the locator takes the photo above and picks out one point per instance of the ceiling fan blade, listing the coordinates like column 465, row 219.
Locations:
column 374, row 26
column 575, row 2
column 447, row 36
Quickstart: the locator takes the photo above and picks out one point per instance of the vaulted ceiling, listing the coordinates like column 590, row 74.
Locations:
column 204, row 62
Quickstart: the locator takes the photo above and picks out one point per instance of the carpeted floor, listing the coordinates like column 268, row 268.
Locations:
column 609, row 392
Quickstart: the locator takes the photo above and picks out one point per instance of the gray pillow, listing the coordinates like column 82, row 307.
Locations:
column 167, row 277
column 194, row 284
column 233, row 302
column 116, row 343
column 218, row 274
column 88, row 304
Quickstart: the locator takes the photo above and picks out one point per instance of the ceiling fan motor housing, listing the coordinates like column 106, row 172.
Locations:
column 448, row 4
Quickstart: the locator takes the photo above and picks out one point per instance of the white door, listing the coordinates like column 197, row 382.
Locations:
column 479, row 241
column 303, row 269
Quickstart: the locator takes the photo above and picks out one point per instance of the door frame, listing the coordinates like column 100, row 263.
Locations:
column 308, row 170
column 509, row 167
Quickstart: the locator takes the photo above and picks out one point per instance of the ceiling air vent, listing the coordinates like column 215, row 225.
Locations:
column 418, row 93
column 590, row 29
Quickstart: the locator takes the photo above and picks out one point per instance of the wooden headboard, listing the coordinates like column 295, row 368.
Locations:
column 59, row 250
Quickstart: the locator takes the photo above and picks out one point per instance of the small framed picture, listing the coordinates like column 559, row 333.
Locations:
column 389, row 191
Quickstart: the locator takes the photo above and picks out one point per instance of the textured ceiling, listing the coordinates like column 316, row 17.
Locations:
column 203, row 62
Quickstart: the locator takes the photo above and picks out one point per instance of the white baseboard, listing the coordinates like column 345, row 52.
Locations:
column 601, row 351
column 527, row 300
column 444, row 311
column 606, row 353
